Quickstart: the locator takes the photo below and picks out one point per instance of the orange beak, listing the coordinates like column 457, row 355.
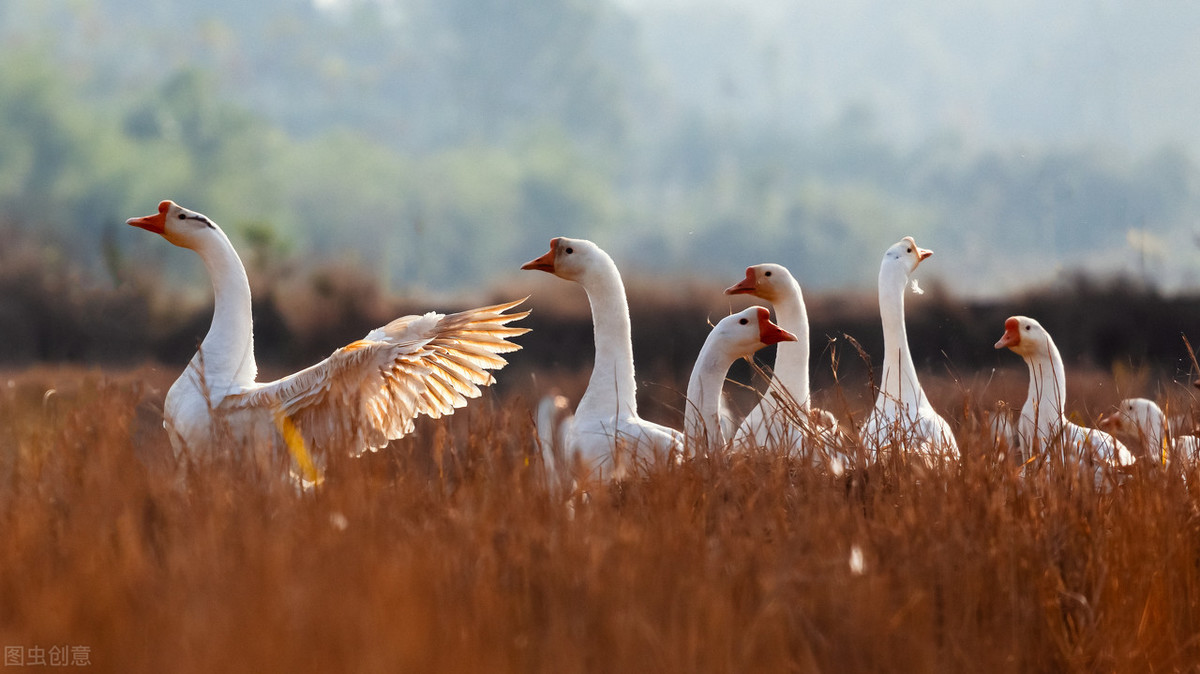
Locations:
column 1110, row 422
column 1012, row 334
column 546, row 262
column 156, row 223
column 922, row 253
column 746, row 286
column 768, row 332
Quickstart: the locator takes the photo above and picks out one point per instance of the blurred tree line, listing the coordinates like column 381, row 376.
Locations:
column 439, row 143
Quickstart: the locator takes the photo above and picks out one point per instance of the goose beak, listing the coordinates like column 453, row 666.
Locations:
column 768, row 332
column 544, row 263
column 746, row 286
column 1110, row 422
column 156, row 223
column 1012, row 334
column 922, row 253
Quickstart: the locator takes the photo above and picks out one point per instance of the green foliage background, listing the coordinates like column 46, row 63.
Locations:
column 440, row 144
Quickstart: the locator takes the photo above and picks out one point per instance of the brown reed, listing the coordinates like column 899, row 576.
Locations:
column 449, row 552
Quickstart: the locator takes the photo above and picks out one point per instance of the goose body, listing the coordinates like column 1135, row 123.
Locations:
column 1144, row 419
column 903, row 416
column 785, row 417
column 735, row 336
column 365, row 394
column 1043, row 426
column 605, row 431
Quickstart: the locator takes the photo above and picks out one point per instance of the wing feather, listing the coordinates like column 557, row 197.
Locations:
column 370, row 391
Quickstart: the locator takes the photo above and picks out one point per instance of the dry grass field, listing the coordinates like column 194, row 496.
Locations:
column 448, row 552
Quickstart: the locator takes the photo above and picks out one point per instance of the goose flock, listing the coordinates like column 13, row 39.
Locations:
column 370, row 391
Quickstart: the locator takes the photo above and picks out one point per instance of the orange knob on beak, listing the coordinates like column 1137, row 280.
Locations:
column 746, row 285
column 768, row 332
column 156, row 223
column 1012, row 334
column 546, row 262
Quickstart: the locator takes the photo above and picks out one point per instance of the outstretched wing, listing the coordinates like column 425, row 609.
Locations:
column 368, row 392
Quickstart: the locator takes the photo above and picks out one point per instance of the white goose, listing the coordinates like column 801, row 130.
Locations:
column 358, row 399
column 1043, row 426
column 1144, row 419
column 774, row 422
column 735, row 336
column 606, row 425
column 903, row 415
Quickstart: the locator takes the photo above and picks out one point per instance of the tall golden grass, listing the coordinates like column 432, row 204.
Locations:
column 449, row 552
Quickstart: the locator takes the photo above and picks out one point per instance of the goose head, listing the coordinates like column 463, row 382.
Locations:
column 570, row 259
column 906, row 254
column 1135, row 415
column 1025, row 337
column 747, row 331
column 180, row 226
column 764, row 281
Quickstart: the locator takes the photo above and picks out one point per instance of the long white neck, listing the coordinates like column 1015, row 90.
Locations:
column 791, row 358
column 226, row 355
column 1047, row 391
column 899, row 382
column 702, row 420
column 1156, row 434
column 612, row 388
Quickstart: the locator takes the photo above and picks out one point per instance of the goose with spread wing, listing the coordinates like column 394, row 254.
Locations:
column 365, row 394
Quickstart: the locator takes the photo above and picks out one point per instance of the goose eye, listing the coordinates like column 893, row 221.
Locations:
column 1028, row 327
column 910, row 250
column 182, row 216
column 767, row 274
column 743, row 321
column 570, row 250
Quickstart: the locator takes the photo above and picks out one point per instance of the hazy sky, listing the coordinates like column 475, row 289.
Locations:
column 994, row 71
